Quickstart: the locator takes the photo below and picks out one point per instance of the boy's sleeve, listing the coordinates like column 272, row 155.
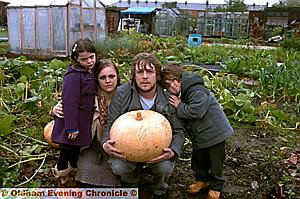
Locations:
column 178, row 132
column 196, row 105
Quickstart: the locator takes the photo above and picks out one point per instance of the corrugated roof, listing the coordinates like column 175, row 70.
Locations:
column 5, row 1
column 170, row 11
column 256, row 7
column 139, row 10
column 182, row 6
column 198, row 6
column 32, row 3
column 126, row 4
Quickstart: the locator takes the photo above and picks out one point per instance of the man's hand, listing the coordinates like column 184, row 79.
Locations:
column 112, row 151
column 167, row 154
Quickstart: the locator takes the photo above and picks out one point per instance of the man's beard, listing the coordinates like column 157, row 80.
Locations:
column 148, row 90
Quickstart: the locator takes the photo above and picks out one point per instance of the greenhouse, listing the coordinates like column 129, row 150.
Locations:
column 170, row 22
column 228, row 24
column 50, row 27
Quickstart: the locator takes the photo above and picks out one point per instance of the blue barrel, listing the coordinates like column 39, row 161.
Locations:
column 194, row 40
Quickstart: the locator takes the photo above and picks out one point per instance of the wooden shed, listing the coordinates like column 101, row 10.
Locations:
column 50, row 27
column 280, row 17
column 256, row 23
column 138, row 18
column 3, row 15
column 112, row 19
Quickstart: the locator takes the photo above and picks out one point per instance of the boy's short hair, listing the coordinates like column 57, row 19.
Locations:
column 170, row 72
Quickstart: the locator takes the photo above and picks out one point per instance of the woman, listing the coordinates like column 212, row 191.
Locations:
column 92, row 167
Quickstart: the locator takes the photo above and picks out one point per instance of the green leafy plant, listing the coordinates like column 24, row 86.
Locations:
column 29, row 88
column 6, row 122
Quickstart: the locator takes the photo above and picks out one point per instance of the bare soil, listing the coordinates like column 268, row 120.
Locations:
column 252, row 169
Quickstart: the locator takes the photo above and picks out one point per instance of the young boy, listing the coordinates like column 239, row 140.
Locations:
column 206, row 123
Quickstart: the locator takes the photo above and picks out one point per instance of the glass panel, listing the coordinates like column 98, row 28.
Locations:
column 43, row 29
column 88, row 3
column 74, row 19
column 89, row 35
column 14, row 30
column 59, row 17
column 98, row 4
column 88, row 18
column 77, row 2
column 75, row 31
column 28, row 28
column 271, row 14
column 285, row 14
column 101, row 24
column 278, row 13
column 73, row 37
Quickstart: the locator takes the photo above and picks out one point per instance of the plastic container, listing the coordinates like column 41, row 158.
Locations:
column 194, row 40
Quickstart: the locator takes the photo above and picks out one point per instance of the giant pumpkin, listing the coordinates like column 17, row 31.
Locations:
column 141, row 135
column 48, row 132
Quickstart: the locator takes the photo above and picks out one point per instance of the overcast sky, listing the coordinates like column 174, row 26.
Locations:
column 250, row 2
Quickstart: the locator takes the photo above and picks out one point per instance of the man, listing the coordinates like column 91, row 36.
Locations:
column 143, row 93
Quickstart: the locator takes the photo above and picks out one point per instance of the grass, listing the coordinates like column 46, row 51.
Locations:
column 3, row 31
column 3, row 45
column 3, row 48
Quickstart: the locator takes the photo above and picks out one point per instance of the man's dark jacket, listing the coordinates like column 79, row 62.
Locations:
column 126, row 98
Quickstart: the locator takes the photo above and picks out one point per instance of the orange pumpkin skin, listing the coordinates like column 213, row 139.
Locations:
column 141, row 135
column 47, row 134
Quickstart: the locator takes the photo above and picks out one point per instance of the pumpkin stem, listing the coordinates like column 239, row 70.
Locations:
column 139, row 116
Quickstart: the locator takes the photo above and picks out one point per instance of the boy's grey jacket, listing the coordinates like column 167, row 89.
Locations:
column 206, row 122
column 126, row 98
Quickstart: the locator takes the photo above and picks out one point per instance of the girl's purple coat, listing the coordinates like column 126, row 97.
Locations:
column 78, row 95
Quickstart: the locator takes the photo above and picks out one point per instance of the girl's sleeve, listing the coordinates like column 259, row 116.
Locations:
column 71, row 100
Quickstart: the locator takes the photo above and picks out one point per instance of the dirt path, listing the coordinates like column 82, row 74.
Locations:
column 252, row 169
column 243, row 46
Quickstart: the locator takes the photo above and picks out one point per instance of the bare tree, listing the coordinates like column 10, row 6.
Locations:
column 288, row 3
column 235, row 6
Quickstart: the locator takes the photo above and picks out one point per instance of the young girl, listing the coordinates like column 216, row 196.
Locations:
column 78, row 94
column 206, row 123
column 93, row 169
